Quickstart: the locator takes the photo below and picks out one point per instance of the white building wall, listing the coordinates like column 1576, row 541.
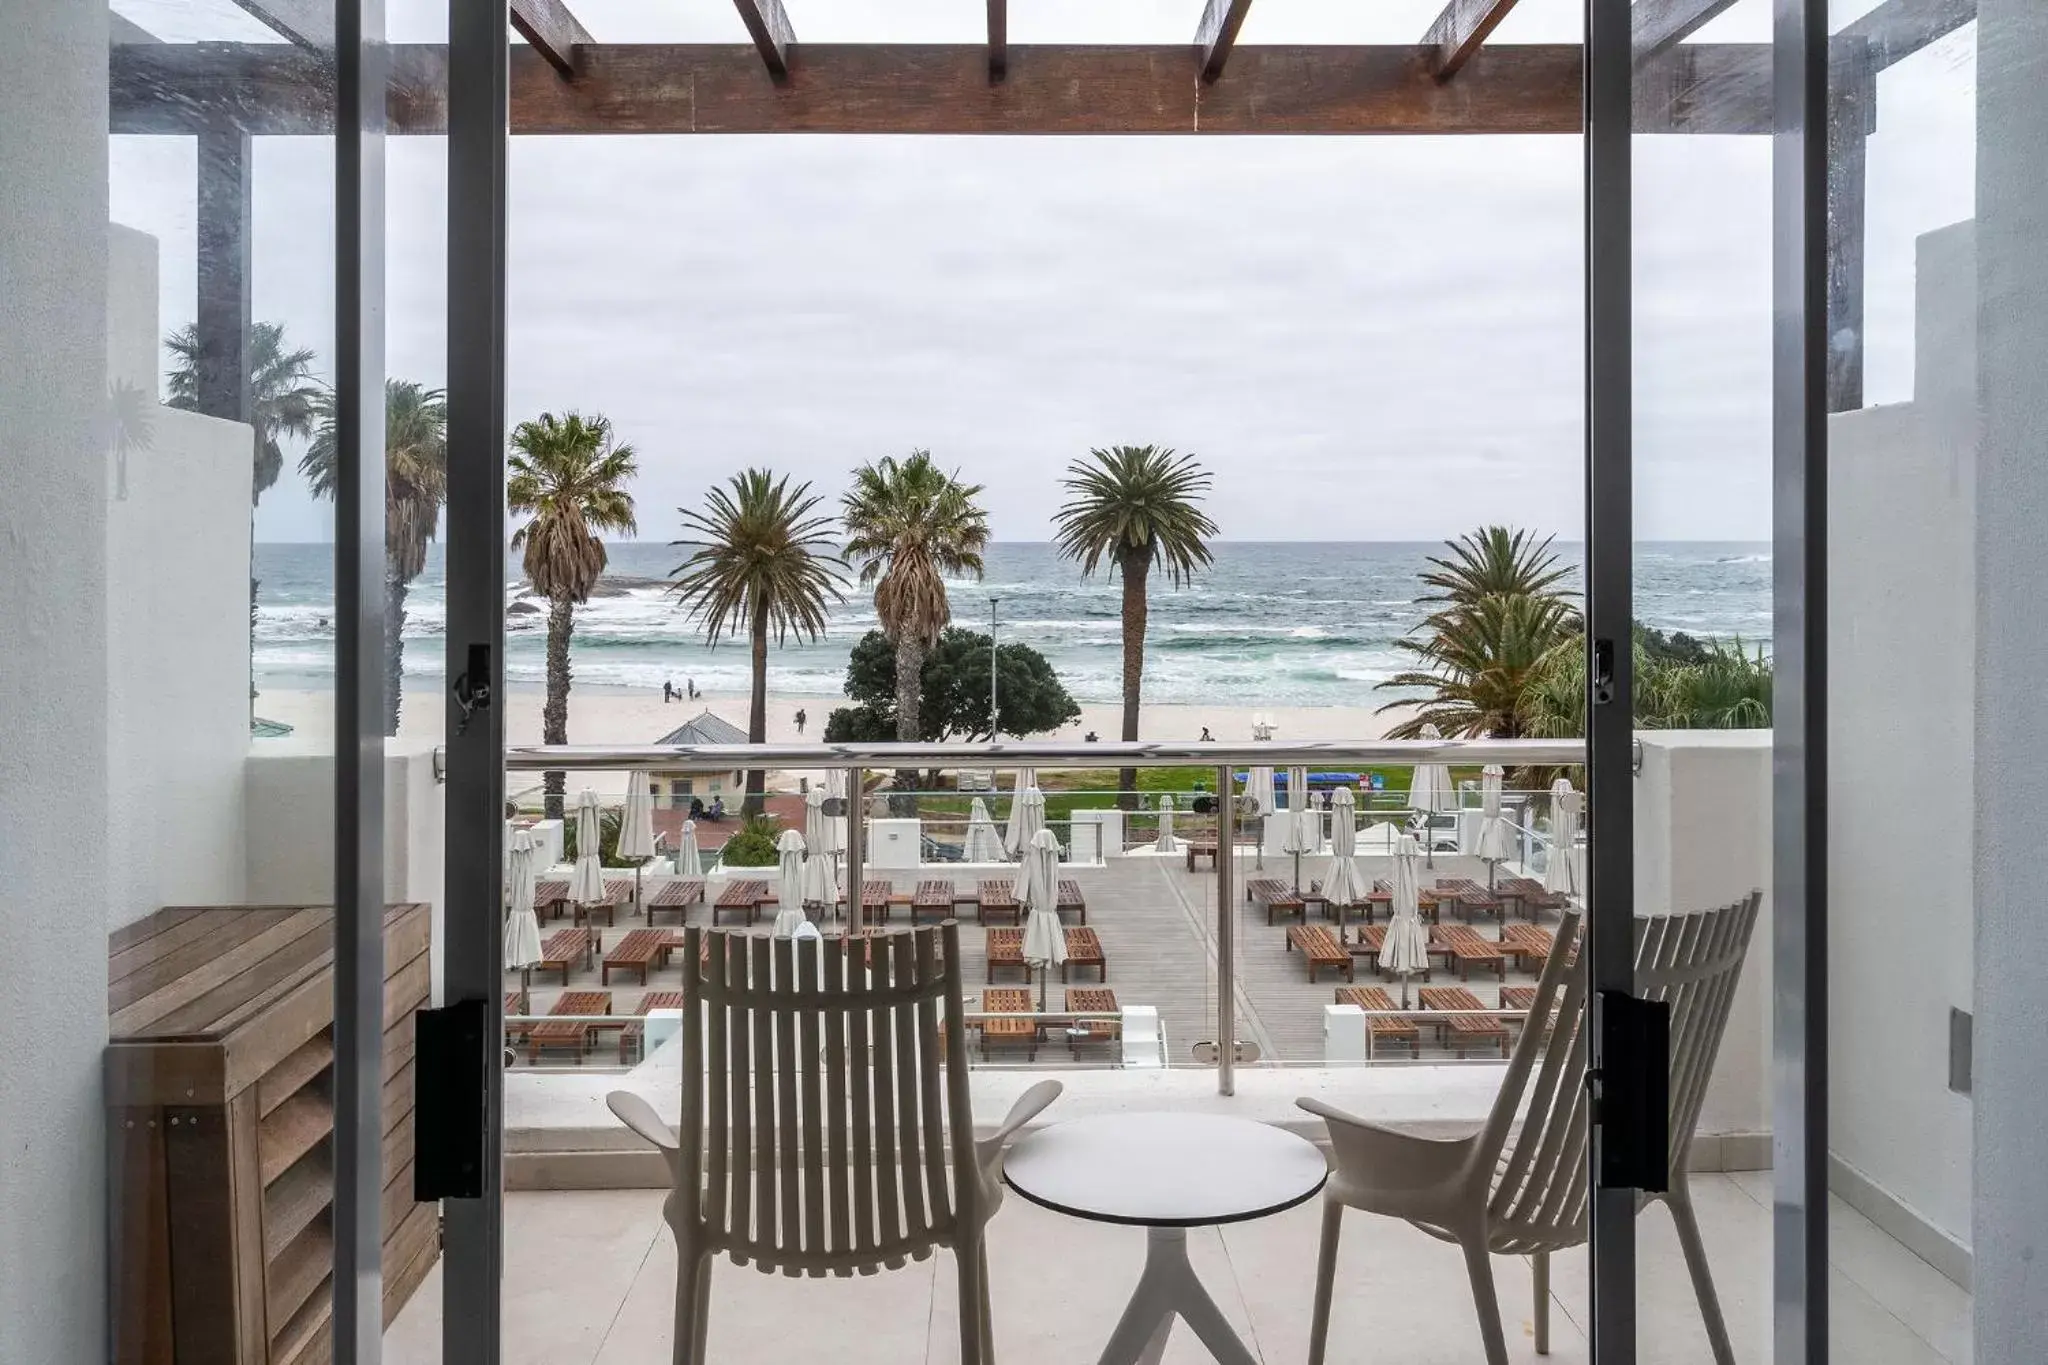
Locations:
column 53, row 671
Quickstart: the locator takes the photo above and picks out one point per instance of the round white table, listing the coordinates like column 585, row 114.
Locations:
column 1168, row 1173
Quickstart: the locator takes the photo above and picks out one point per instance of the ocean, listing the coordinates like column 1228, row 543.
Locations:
column 1274, row 624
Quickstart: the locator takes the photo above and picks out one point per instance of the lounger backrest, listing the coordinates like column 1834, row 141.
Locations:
column 819, row 1100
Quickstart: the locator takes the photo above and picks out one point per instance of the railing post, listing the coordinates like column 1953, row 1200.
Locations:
column 1226, row 935
column 855, row 872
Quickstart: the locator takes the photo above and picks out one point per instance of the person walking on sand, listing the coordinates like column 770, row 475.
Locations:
column 1207, row 738
column 800, row 718
column 668, row 692
column 691, row 683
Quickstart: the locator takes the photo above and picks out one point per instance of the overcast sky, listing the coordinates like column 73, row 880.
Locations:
column 1364, row 338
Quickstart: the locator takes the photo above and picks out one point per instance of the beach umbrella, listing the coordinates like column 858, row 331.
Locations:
column 1430, row 792
column 522, row 929
column 586, row 883
column 789, row 892
column 1166, row 843
column 636, row 826
column 1496, row 840
column 983, row 845
column 821, row 878
column 1561, row 873
column 1344, row 884
column 1015, row 836
column 1406, row 950
column 1028, row 819
column 1301, row 820
column 1045, row 942
column 689, row 861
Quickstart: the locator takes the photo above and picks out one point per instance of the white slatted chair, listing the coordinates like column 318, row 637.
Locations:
column 826, row 1126
column 1522, row 1191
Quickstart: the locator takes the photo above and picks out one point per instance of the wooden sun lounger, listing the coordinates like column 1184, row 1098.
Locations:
column 995, row 900
column 575, row 1034
column 1008, row 1000
column 641, row 950
column 1332, row 910
column 876, row 900
column 1006, row 950
column 633, row 1036
column 1529, row 943
column 1071, row 901
column 1472, row 896
column 1382, row 1027
column 1529, row 896
column 567, row 948
column 1463, row 1031
column 1466, row 947
column 616, row 889
column 515, row 1003
column 1427, row 901
column 678, row 895
column 1368, row 943
column 933, row 902
column 1084, row 950
column 1320, row 950
column 1199, row 849
column 1093, row 1000
column 741, row 898
column 550, row 896
column 1276, row 896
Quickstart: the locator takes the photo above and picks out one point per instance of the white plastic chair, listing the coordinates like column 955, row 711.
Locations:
column 826, row 1126
column 1528, row 1196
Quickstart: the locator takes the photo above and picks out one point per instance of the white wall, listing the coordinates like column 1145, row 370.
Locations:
column 1902, row 588
column 53, row 671
column 177, row 627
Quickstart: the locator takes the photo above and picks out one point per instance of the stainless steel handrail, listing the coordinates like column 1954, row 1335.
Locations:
column 1114, row 754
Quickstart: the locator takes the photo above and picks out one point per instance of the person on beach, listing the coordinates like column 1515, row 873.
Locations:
column 668, row 692
column 1207, row 738
column 800, row 718
column 691, row 683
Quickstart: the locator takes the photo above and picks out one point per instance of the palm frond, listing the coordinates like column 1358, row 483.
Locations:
column 568, row 476
column 1130, row 504
column 762, row 558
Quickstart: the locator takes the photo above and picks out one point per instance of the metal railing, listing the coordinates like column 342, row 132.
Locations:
column 855, row 760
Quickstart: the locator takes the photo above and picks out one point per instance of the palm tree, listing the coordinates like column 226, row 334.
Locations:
column 1478, row 664
column 1492, row 562
column 415, row 487
column 1135, row 507
column 763, row 562
column 282, row 392
column 909, row 526
column 568, row 473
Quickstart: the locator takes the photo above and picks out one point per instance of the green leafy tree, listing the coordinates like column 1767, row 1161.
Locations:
column 569, row 477
column 1474, row 668
column 1131, row 509
column 1493, row 561
column 1030, row 696
column 763, row 564
column 1729, row 688
column 415, row 489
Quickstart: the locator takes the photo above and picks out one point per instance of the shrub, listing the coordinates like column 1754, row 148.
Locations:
column 754, row 845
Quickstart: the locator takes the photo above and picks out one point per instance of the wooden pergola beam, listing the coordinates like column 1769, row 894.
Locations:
column 1658, row 25
column 552, row 31
column 769, row 25
column 273, row 88
column 1897, row 29
column 1460, row 29
column 998, row 39
column 1217, row 34
column 309, row 23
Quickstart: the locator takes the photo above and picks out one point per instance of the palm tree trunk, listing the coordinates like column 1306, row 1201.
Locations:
column 1137, row 565
column 909, row 723
column 554, row 716
column 757, row 713
column 395, row 590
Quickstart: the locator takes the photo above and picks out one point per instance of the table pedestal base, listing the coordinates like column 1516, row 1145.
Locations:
column 1167, row 1289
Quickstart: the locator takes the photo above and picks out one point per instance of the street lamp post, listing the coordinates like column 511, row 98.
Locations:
column 994, row 728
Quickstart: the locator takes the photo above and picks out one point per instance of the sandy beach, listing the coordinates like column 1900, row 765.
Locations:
column 600, row 715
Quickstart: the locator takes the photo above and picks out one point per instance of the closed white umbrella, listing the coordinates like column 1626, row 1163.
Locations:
column 1561, row 873
column 1259, row 786
column 821, row 879
column 1015, row 836
column 789, row 897
column 1345, row 884
column 1496, row 840
column 1027, row 818
column 522, row 929
column 586, row 883
column 689, row 860
column 1430, row 792
column 984, row 845
column 1166, row 843
column 1045, row 942
column 1406, row 950
column 636, row 826
column 1301, row 832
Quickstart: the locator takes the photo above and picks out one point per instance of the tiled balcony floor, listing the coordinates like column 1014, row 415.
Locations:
column 590, row 1281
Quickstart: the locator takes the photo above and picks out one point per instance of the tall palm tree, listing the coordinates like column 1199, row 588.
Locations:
column 763, row 562
column 1135, row 507
column 1492, row 562
column 570, row 476
column 415, row 487
column 1478, row 665
column 909, row 525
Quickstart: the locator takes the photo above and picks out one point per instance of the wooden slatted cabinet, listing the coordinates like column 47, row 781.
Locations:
column 220, row 1142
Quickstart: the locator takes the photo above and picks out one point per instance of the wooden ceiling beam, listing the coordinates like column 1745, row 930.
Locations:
column 768, row 23
column 1897, row 29
column 1217, row 34
column 551, row 30
column 309, row 23
column 998, row 39
column 1660, row 25
column 1460, row 29
column 273, row 88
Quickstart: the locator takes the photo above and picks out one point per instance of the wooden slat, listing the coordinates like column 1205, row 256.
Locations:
column 740, row 1081
column 410, row 1250
column 309, row 23
column 1897, row 29
column 768, row 24
column 138, row 1239
column 765, row 1184
column 217, row 1287
column 295, row 1199
column 169, row 930
column 289, row 1133
column 149, row 926
column 297, row 1271
column 998, row 38
column 861, row 1084
column 938, row 1192
column 291, row 952
column 789, row 1127
column 231, row 942
column 552, row 31
column 303, row 1340
column 838, row 1194
column 916, row 1216
column 1216, row 34
column 1460, row 29
column 291, row 1074
column 1658, row 25
column 718, row 1073
column 812, row 1047
column 882, row 1068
